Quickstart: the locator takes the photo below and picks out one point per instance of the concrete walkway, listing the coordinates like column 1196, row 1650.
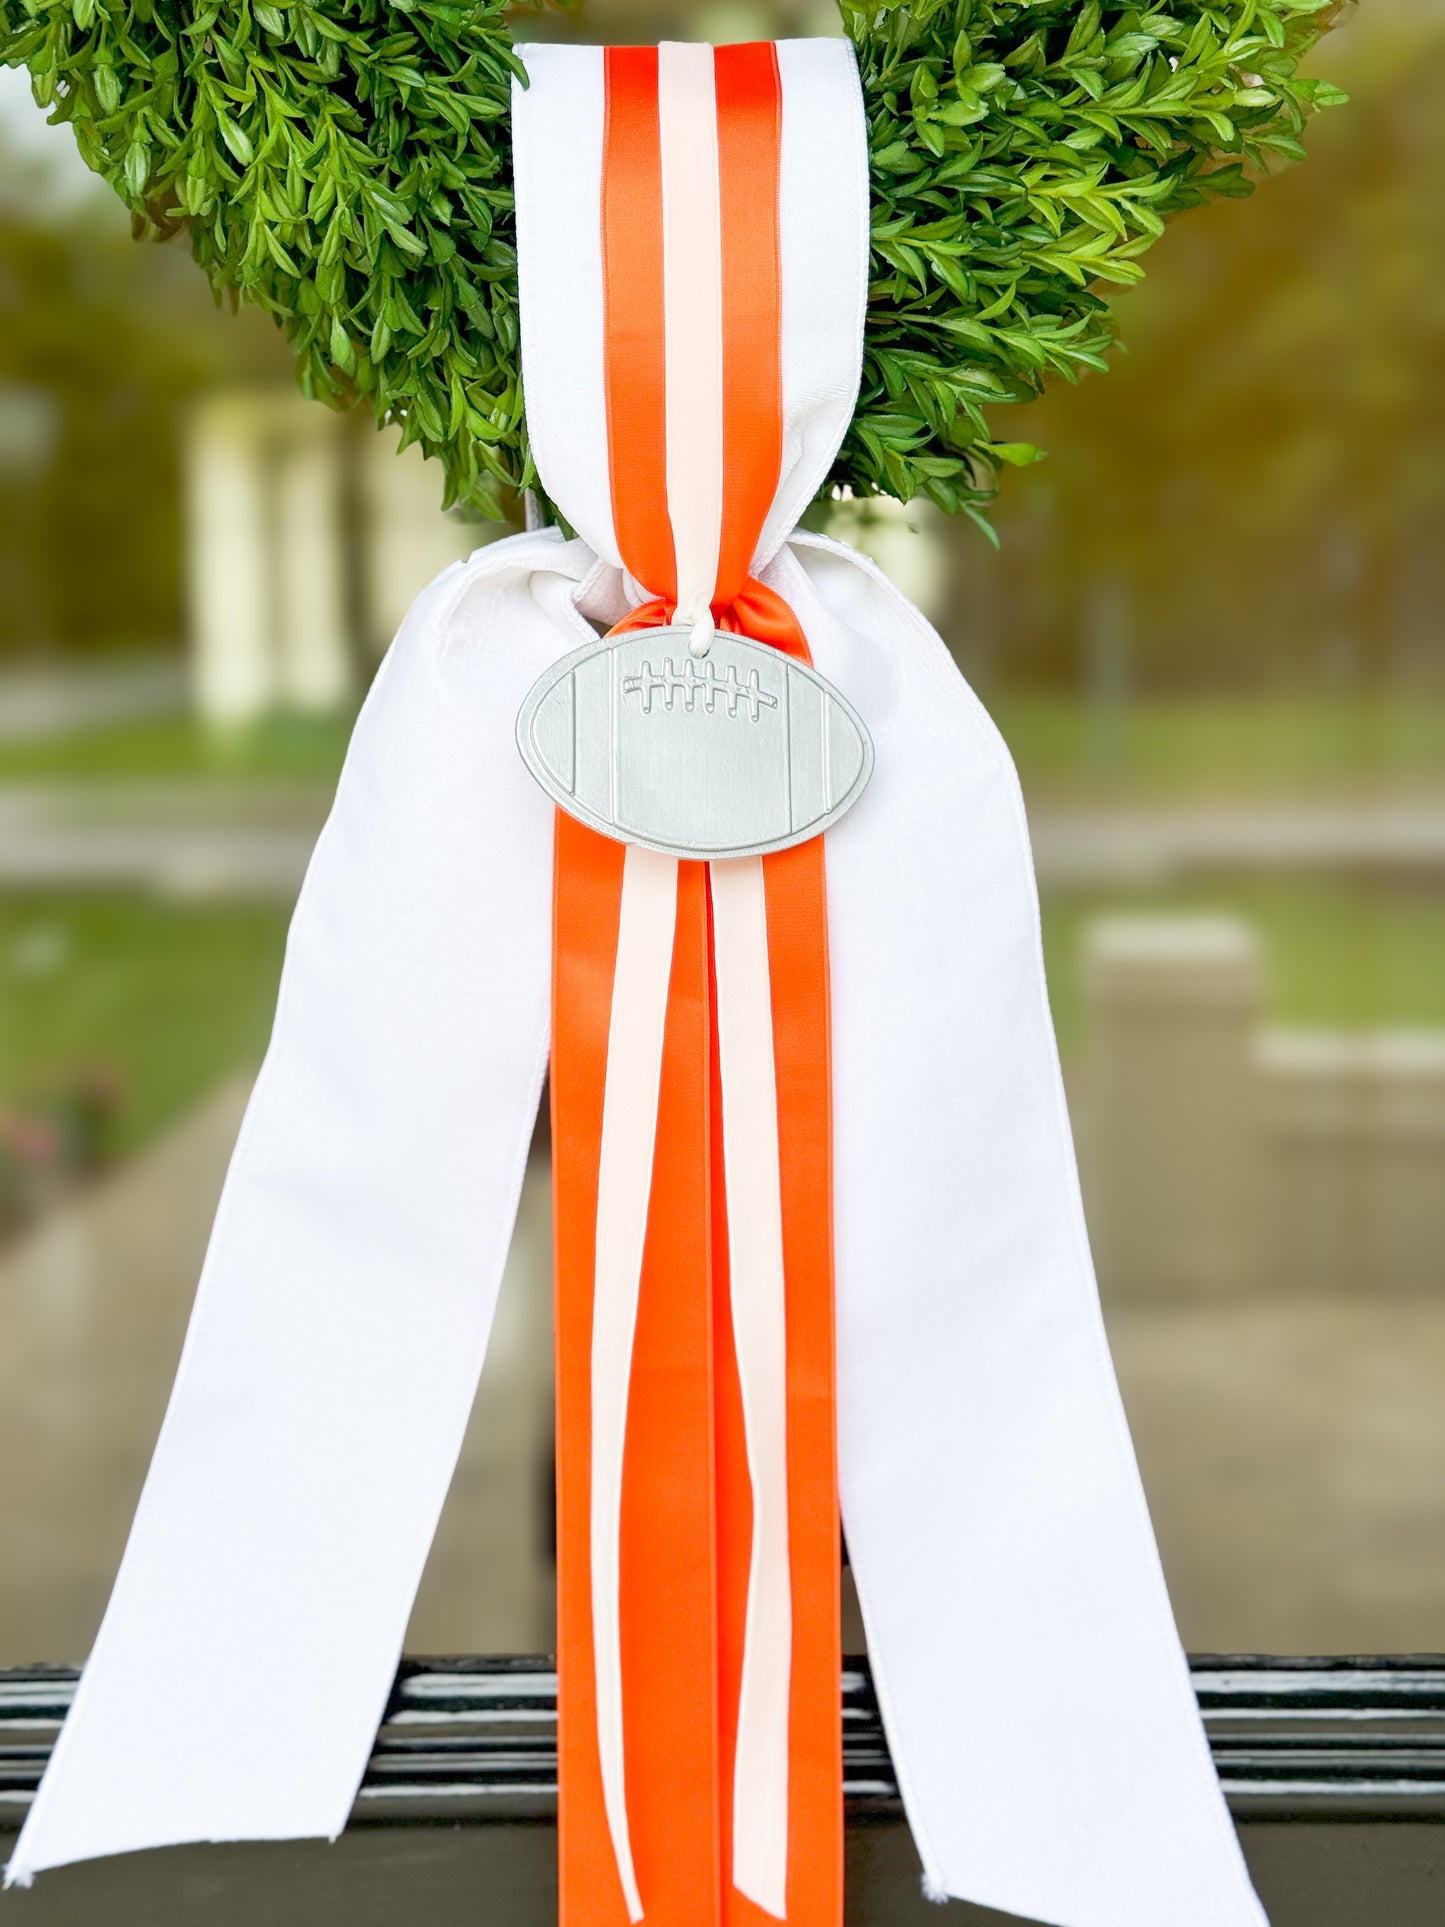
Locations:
column 1293, row 1449
column 222, row 841
column 53, row 699
column 93, row 1309
column 1084, row 847
column 240, row 839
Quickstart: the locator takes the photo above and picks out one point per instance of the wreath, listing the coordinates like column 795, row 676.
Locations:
column 345, row 164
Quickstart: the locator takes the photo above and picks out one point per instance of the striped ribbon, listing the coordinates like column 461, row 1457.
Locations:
column 698, row 1524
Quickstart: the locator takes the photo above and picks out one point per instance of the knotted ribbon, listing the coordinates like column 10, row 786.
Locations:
column 1037, row 1704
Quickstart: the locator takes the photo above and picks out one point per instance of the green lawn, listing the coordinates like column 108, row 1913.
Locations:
column 1234, row 749
column 293, row 747
column 164, row 998
column 173, row 996
column 1348, row 951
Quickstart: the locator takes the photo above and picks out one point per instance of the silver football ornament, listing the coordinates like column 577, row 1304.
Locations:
column 733, row 753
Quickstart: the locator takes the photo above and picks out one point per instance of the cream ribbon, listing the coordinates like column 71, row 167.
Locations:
column 759, row 1314
column 624, row 1184
column 755, row 1268
column 692, row 317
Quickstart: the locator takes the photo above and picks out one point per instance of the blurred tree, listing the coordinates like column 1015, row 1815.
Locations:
column 1258, row 488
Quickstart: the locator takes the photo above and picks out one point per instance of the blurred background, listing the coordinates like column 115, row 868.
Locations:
column 1212, row 632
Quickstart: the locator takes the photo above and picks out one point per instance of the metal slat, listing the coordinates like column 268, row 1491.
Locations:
column 476, row 1739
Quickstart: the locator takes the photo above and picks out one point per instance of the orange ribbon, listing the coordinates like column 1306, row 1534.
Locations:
column 686, row 1504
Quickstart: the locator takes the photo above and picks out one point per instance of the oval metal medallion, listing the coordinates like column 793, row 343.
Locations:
column 731, row 754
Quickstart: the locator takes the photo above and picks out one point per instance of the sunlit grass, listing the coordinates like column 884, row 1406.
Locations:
column 1226, row 749
column 292, row 747
column 1355, row 952
column 161, row 998
column 172, row 996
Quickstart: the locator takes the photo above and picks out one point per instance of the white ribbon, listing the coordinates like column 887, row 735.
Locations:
column 1038, row 1707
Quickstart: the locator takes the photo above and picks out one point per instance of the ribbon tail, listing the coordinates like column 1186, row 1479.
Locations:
column 624, row 1184
column 1049, row 1748
column 759, row 1320
column 347, row 1296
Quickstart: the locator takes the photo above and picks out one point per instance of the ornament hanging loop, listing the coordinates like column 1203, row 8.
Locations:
column 703, row 630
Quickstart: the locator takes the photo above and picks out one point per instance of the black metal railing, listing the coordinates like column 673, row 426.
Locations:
column 476, row 1739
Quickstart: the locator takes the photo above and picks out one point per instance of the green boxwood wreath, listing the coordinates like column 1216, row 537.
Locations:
column 345, row 164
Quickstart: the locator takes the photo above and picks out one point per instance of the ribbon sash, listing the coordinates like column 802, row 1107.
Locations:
column 698, row 1526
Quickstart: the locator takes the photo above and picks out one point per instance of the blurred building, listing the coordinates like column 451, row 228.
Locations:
column 307, row 537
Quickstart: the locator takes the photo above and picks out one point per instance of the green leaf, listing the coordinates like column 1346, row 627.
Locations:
column 1016, row 454
column 345, row 164
column 235, row 137
column 137, row 168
